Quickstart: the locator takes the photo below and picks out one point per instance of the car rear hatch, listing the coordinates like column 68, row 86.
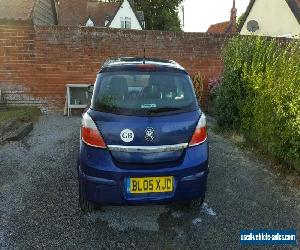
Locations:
column 145, row 113
column 151, row 139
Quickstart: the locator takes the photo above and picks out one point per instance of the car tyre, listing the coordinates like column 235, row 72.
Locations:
column 196, row 203
column 85, row 205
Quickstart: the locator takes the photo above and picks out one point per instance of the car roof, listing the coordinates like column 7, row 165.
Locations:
column 132, row 62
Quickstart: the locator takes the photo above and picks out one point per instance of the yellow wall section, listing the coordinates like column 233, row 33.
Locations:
column 274, row 17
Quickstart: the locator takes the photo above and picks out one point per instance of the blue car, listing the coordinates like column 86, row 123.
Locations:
column 144, row 138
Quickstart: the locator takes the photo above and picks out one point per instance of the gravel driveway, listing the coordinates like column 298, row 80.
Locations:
column 39, row 207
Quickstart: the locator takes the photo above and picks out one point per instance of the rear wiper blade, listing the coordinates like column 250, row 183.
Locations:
column 161, row 110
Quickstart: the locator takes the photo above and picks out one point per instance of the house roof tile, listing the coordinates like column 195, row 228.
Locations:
column 218, row 27
column 100, row 12
column 139, row 17
column 16, row 10
column 77, row 12
column 224, row 27
column 72, row 12
column 227, row 27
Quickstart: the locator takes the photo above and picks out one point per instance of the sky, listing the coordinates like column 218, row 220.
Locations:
column 200, row 14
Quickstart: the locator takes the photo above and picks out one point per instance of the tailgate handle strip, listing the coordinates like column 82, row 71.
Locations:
column 148, row 149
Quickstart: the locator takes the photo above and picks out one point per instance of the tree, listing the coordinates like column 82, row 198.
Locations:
column 241, row 20
column 160, row 14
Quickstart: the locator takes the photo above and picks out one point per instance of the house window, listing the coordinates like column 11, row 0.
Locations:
column 126, row 23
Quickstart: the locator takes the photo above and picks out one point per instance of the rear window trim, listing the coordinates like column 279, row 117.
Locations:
column 170, row 113
column 158, row 68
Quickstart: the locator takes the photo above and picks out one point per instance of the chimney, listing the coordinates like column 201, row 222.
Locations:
column 233, row 14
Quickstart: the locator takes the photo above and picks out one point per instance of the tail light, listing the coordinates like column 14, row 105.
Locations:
column 200, row 134
column 146, row 67
column 90, row 134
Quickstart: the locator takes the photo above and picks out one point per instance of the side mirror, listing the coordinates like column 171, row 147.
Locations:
column 90, row 89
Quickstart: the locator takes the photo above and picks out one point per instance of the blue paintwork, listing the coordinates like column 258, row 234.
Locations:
column 103, row 178
column 103, row 174
column 169, row 130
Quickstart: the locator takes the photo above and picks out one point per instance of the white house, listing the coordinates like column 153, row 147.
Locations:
column 127, row 18
column 277, row 18
column 100, row 14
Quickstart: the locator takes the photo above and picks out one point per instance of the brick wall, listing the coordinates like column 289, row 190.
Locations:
column 42, row 60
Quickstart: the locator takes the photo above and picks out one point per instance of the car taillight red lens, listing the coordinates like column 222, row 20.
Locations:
column 90, row 133
column 146, row 67
column 200, row 134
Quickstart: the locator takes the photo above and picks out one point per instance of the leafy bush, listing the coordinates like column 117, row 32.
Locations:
column 213, row 85
column 260, row 95
column 20, row 114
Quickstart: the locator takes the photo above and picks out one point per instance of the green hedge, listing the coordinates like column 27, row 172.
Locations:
column 260, row 95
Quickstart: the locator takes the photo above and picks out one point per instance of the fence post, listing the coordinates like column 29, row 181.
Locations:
column 2, row 99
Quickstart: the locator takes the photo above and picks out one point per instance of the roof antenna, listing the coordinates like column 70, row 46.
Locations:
column 144, row 60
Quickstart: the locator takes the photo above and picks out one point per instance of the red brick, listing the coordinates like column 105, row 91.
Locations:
column 44, row 59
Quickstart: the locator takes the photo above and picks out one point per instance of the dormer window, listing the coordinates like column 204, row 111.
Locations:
column 90, row 23
column 126, row 23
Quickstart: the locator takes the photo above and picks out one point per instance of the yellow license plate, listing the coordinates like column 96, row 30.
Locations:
column 150, row 185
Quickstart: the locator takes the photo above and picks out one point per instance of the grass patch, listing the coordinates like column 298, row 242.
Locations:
column 20, row 114
column 234, row 136
column 277, row 166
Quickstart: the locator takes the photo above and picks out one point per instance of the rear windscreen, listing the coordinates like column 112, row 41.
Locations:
column 143, row 93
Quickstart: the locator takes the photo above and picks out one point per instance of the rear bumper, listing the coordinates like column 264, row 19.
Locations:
column 103, row 182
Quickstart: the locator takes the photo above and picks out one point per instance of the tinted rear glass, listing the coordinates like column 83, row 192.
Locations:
column 143, row 93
